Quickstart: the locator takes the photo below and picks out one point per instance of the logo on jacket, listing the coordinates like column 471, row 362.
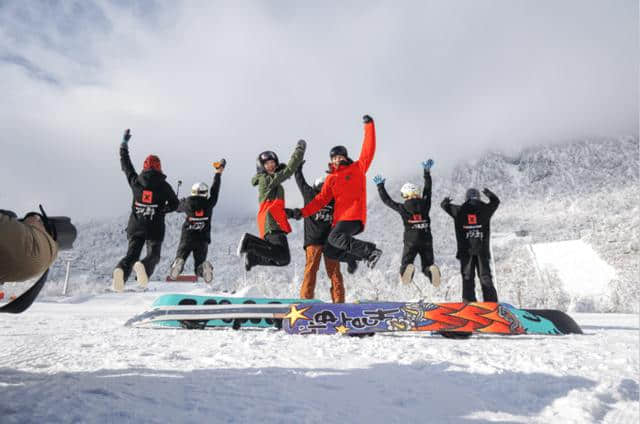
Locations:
column 200, row 213
column 147, row 196
column 472, row 219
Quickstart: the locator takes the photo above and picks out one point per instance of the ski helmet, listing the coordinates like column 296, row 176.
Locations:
column 338, row 150
column 152, row 162
column 317, row 184
column 200, row 189
column 472, row 194
column 265, row 156
column 409, row 190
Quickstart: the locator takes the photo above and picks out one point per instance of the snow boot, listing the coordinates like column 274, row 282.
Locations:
column 206, row 271
column 141, row 274
column 247, row 263
column 118, row 280
column 352, row 266
column 242, row 245
column 435, row 275
column 176, row 268
column 373, row 258
column 407, row 275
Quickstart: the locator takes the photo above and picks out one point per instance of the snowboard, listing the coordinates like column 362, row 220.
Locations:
column 455, row 320
column 191, row 311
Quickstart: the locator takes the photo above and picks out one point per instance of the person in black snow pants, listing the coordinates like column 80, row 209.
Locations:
column 153, row 197
column 472, row 226
column 417, row 232
column 196, row 230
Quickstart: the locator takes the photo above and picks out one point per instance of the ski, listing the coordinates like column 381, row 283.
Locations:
column 455, row 320
column 22, row 302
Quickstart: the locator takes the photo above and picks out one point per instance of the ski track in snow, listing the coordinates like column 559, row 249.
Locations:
column 72, row 360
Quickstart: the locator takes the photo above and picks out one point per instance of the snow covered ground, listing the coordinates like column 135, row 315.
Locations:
column 72, row 360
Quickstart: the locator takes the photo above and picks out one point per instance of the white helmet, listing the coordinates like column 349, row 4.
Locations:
column 319, row 181
column 200, row 189
column 409, row 190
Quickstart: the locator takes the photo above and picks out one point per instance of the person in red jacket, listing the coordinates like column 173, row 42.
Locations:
column 346, row 185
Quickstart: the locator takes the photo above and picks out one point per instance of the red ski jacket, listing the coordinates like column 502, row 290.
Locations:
column 347, row 185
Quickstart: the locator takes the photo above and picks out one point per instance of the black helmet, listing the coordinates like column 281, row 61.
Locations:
column 472, row 194
column 263, row 157
column 338, row 150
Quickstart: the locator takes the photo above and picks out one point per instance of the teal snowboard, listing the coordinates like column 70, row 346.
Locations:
column 189, row 299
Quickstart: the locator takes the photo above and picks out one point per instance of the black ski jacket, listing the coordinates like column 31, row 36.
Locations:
column 153, row 197
column 472, row 224
column 414, row 214
column 197, row 225
column 317, row 226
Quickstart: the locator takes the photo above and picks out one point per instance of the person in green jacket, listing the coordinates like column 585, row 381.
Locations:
column 271, row 248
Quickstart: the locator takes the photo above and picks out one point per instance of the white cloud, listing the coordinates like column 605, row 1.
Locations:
column 197, row 81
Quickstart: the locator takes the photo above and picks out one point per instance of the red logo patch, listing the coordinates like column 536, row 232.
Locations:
column 472, row 219
column 200, row 213
column 416, row 217
column 147, row 196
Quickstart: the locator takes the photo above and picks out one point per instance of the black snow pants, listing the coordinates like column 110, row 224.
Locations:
column 469, row 265
column 342, row 246
column 409, row 253
column 150, row 261
column 273, row 250
column 199, row 248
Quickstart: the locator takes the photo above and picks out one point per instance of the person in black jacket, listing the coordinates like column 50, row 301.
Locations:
column 472, row 225
column 196, row 230
column 417, row 232
column 316, row 231
column 153, row 197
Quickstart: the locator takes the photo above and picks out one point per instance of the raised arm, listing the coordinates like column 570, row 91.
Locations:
column 451, row 209
column 368, row 149
column 294, row 162
column 494, row 201
column 215, row 189
column 125, row 159
column 426, row 189
column 306, row 190
column 382, row 191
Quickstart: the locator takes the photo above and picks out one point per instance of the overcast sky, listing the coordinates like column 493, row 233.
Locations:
column 201, row 80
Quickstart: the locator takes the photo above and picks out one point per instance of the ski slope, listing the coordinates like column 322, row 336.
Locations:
column 72, row 360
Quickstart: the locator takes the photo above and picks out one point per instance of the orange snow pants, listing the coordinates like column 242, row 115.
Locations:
column 314, row 254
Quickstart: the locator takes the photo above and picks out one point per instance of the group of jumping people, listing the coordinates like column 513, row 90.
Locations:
column 334, row 212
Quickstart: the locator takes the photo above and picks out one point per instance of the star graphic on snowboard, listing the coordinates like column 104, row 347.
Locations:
column 294, row 315
column 341, row 329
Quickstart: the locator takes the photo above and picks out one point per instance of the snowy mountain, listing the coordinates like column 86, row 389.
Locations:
column 584, row 191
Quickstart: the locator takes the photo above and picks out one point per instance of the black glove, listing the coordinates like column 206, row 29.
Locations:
column 126, row 137
column 302, row 145
column 366, row 119
column 10, row 214
column 487, row 192
column 296, row 214
column 446, row 200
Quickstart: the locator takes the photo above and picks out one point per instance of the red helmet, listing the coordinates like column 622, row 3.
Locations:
column 152, row 162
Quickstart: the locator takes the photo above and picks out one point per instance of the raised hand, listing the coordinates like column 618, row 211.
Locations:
column 427, row 164
column 126, row 137
column 366, row 119
column 302, row 145
column 378, row 179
